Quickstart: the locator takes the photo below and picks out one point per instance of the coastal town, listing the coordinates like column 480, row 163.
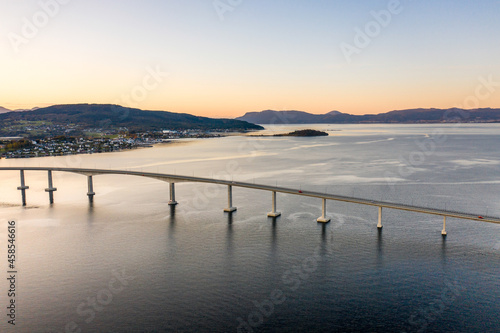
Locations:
column 20, row 147
column 96, row 128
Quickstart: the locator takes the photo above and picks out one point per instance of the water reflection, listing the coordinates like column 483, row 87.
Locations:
column 229, row 234
column 90, row 214
column 380, row 252
column 274, row 239
column 274, row 229
column 172, row 212
column 324, row 248
column 230, row 218
column 323, row 232
column 379, row 241
column 171, row 239
column 443, row 251
column 172, row 222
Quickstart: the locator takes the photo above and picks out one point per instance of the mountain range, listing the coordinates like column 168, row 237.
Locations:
column 5, row 110
column 452, row 115
column 110, row 116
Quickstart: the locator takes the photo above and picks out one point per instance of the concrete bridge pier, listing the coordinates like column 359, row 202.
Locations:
column 172, row 201
column 324, row 218
column 443, row 232
column 23, row 188
column 91, row 192
column 230, row 207
column 274, row 213
column 379, row 225
column 51, row 188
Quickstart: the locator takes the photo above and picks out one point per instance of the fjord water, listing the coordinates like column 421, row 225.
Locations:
column 130, row 264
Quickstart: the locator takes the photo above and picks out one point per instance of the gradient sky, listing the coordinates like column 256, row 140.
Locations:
column 264, row 54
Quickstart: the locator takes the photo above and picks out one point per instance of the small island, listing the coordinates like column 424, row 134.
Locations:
column 306, row 132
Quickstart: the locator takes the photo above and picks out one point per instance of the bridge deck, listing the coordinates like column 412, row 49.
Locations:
column 177, row 178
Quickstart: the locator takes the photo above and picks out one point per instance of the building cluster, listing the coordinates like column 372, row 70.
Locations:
column 70, row 146
column 39, row 128
column 65, row 145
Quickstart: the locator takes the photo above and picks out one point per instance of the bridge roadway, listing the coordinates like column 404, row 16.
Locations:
column 172, row 179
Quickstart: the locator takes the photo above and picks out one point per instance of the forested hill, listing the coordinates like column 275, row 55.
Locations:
column 115, row 116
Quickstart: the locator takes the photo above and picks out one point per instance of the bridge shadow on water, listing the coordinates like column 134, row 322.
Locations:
column 274, row 230
column 90, row 214
column 172, row 212
column 443, row 252
column 229, row 220
column 323, row 232
column 380, row 248
column 229, row 234
column 173, row 219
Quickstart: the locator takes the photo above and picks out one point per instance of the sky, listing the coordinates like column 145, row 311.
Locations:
column 223, row 58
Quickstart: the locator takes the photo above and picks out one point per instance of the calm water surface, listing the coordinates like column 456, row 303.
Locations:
column 131, row 264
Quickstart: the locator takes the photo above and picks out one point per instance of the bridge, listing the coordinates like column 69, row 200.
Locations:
column 172, row 179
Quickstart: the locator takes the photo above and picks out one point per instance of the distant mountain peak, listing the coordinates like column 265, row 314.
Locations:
column 4, row 110
column 22, row 110
column 433, row 115
column 333, row 113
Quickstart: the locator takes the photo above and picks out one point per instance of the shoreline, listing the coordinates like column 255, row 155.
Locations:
column 97, row 152
column 174, row 141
